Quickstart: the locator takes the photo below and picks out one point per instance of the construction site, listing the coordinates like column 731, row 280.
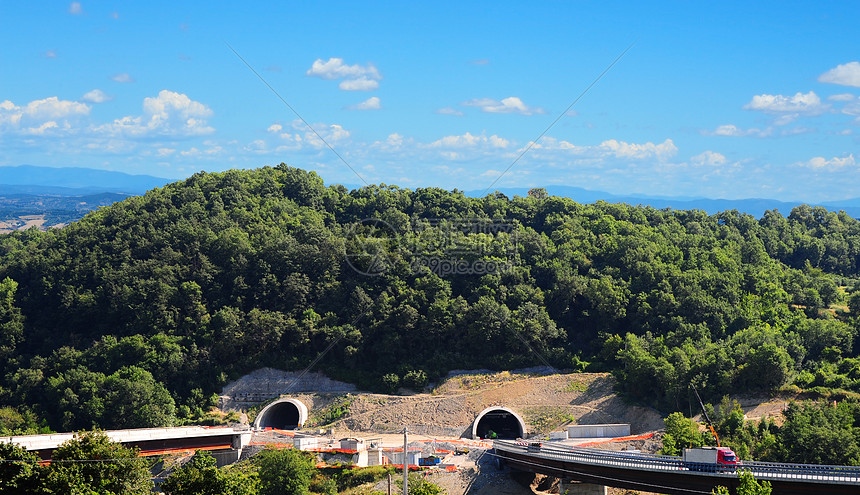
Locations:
column 446, row 432
column 449, row 427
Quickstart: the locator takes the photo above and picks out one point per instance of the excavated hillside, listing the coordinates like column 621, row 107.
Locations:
column 545, row 402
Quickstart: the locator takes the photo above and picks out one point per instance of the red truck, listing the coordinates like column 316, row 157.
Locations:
column 710, row 459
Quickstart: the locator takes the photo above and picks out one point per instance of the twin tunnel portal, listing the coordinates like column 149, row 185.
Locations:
column 492, row 422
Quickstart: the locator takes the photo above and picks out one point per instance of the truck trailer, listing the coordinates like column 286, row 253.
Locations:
column 710, row 459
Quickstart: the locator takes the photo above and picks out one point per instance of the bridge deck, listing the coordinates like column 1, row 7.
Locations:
column 670, row 475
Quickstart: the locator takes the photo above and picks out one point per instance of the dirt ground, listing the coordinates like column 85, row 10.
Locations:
column 546, row 403
column 22, row 223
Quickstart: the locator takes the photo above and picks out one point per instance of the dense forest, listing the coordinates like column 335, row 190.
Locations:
column 138, row 313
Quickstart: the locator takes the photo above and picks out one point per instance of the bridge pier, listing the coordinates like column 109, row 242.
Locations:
column 578, row 488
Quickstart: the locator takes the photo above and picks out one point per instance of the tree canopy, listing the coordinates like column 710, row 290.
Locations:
column 138, row 313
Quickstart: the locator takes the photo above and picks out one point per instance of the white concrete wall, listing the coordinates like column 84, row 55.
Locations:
column 397, row 457
column 598, row 431
column 558, row 435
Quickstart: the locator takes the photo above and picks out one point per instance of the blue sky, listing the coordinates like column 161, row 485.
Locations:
column 735, row 100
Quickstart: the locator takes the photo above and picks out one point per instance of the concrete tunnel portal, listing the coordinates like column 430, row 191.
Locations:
column 502, row 421
column 283, row 414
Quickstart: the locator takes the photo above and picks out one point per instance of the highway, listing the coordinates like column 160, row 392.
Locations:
column 668, row 474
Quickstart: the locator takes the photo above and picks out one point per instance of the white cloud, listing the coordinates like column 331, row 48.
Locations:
column 709, row 159
column 356, row 77
column 50, row 54
column 621, row 149
column 804, row 104
column 39, row 131
column 332, row 133
column 336, row 133
column 54, row 108
column 551, row 143
column 497, row 142
column 208, row 152
column 75, row 8
column 797, row 130
column 470, row 140
column 844, row 75
column 842, row 97
column 835, row 163
column 168, row 114
column 511, row 104
column 449, row 111
column 371, row 103
column 395, row 143
column 96, row 96
column 786, row 119
column 38, row 117
column 334, row 68
column 122, row 77
column 852, row 108
column 732, row 130
column 360, row 84
column 300, row 138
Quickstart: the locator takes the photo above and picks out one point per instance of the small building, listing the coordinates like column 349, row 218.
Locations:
column 307, row 443
column 396, row 456
column 351, row 443
column 375, row 457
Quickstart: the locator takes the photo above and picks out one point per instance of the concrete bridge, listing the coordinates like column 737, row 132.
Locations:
column 225, row 443
column 665, row 474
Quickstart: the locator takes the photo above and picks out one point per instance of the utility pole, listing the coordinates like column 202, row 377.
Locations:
column 405, row 460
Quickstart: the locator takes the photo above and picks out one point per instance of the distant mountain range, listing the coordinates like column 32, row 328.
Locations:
column 44, row 197
column 755, row 206
column 73, row 181
column 65, row 194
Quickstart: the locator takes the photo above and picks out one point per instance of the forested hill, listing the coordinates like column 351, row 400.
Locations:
column 136, row 314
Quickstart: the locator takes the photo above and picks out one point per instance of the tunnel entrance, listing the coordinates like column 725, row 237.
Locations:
column 283, row 414
column 502, row 421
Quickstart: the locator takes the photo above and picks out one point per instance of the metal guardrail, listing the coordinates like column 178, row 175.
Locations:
column 651, row 462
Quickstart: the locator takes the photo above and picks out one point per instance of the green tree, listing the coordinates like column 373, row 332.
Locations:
column 133, row 398
column 200, row 476
column 197, row 476
column 11, row 322
column 747, row 485
column 20, row 472
column 538, row 193
column 284, row 472
column 681, row 432
column 420, row 486
column 820, row 433
column 92, row 463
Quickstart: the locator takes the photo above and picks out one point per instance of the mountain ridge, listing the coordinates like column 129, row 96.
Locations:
column 81, row 181
column 74, row 180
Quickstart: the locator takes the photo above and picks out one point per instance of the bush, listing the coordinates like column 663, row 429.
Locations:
column 416, row 380
column 390, row 383
column 285, row 472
